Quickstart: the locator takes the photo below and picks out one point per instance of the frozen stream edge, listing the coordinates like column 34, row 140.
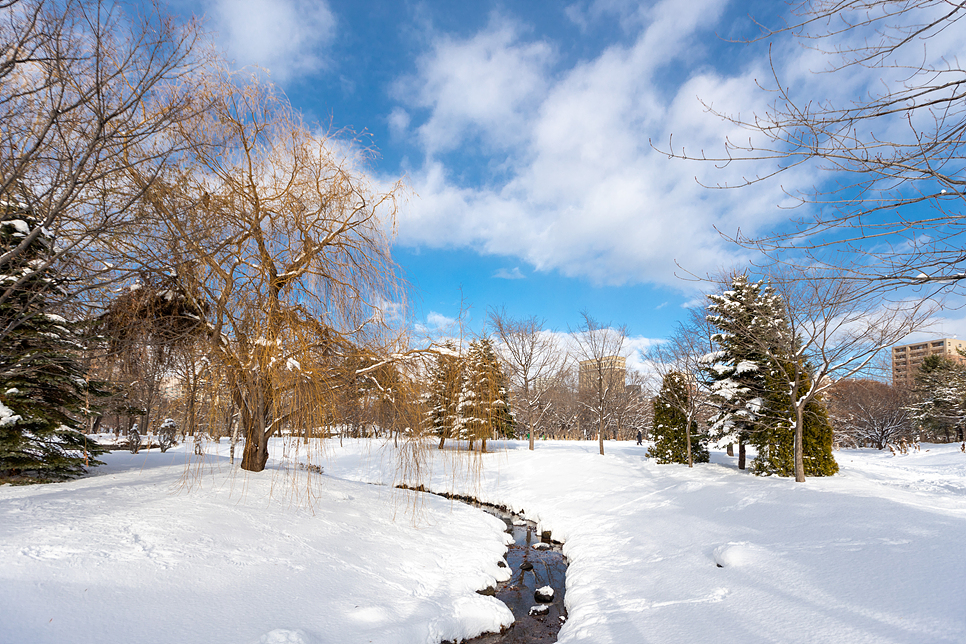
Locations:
column 535, row 560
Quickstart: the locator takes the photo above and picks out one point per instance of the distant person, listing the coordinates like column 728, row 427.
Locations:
column 640, row 438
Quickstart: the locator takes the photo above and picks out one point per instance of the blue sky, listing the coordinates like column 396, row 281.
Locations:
column 525, row 133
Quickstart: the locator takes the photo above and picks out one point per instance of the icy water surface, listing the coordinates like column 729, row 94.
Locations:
column 536, row 561
column 532, row 569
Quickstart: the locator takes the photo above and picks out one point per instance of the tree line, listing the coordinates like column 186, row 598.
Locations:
column 176, row 242
column 168, row 223
column 794, row 376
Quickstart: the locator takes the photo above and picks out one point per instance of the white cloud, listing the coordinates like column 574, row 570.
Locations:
column 399, row 120
column 438, row 328
column 576, row 185
column 484, row 86
column 509, row 274
column 436, row 320
column 287, row 37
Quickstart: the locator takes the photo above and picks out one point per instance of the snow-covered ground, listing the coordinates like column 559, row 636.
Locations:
column 131, row 555
column 659, row 553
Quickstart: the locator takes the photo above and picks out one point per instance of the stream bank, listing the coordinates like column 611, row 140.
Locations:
column 536, row 561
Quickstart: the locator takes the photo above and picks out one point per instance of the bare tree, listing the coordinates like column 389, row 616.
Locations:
column 88, row 95
column 287, row 244
column 866, row 411
column 147, row 329
column 602, row 373
column 633, row 411
column 894, row 151
column 562, row 419
column 533, row 360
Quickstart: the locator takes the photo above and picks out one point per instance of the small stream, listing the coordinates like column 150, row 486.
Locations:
column 532, row 568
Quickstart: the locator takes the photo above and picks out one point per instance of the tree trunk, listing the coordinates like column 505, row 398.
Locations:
column 731, row 449
column 442, row 439
column 255, row 455
column 600, row 435
column 687, row 437
column 799, row 456
column 531, row 435
column 741, row 454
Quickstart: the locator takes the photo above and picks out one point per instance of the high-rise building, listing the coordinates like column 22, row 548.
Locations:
column 907, row 358
column 612, row 368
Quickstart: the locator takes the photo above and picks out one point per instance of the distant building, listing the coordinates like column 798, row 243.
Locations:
column 612, row 368
column 907, row 358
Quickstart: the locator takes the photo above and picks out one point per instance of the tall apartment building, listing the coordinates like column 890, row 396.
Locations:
column 613, row 368
column 907, row 358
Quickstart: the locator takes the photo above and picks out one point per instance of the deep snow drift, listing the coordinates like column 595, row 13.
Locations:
column 659, row 553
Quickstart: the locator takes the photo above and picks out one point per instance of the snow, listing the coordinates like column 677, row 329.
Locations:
column 745, row 366
column 19, row 225
column 148, row 550
column 873, row 554
column 7, row 417
column 172, row 552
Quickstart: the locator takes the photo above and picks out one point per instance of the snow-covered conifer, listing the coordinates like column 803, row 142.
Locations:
column 670, row 431
column 774, row 436
column 442, row 397
column 43, row 391
column 940, row 398
column 749, row 319
column 483, row 410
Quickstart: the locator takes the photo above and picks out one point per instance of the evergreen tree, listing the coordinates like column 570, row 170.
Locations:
column 445, row 382
column 43, row 391
column 940, row 398
column 749, row 379
column 483, row 410
column 749, row 319
column 774, row 437
column 671, row 429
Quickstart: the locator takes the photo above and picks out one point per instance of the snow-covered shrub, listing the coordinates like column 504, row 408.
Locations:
column 167, row 433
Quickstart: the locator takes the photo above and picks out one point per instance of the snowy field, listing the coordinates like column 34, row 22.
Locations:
column 151, row 550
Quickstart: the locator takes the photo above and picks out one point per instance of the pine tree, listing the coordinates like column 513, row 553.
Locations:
column 749, row 379
column 483, row 410
column 43, row 391
column 749, row 319
column 671, row 425
column 445, row 381
column 940, row 394
column 774, row 437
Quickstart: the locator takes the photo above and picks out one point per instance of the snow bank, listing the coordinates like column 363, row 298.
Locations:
column 132, row 555
column 658, row 553
column 661, row 553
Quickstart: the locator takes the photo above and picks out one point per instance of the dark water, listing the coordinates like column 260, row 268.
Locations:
column 531, row 569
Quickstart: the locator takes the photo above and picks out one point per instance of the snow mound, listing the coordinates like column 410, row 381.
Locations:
column 739, row 553
column 286, row 636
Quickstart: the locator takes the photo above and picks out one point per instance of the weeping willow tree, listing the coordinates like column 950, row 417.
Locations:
column 285, row 243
